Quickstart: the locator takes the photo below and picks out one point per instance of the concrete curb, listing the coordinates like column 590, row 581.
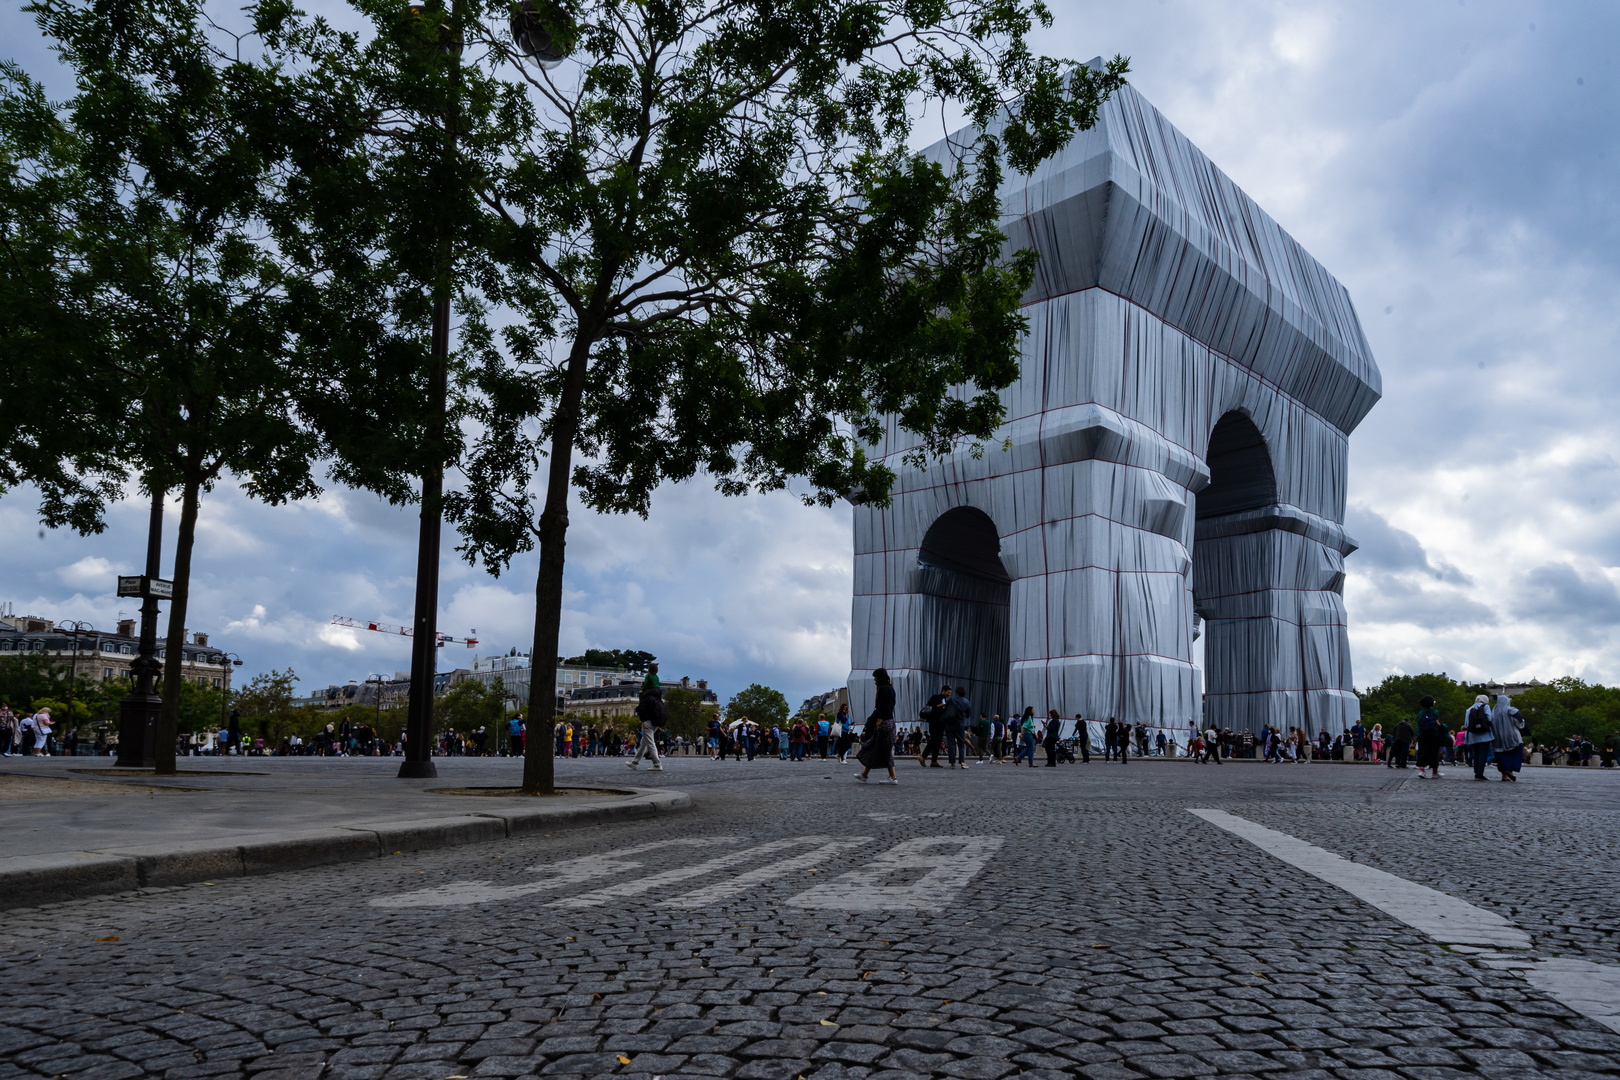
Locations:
column 33, row 880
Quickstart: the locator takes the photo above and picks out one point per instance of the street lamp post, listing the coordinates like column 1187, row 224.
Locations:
column 138, row 714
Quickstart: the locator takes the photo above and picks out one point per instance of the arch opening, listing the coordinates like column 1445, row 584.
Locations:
column 1241, row 476
column 1231, row 579
column 967, row 597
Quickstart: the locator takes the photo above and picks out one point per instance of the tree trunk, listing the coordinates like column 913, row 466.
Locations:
column 539, row 748
column 168, row 725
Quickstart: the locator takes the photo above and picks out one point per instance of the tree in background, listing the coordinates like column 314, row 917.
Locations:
column 760, row 704
column 470, row 705
column 686, row 711
column 1396, row 699
column 265, row 702
column 632, row 660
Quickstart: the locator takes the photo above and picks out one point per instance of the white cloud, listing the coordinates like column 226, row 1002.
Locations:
column 92, row 572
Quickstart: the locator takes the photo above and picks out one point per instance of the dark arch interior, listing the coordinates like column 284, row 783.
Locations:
column 1240, row 473
column 966, row 598
column 965, row 541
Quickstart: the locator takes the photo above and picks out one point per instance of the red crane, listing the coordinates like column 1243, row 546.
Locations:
column 403, row 631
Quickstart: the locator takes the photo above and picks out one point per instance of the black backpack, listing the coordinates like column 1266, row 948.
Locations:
column 1479, row 720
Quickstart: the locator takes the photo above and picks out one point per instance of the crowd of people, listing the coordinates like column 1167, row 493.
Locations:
column 1487, row 735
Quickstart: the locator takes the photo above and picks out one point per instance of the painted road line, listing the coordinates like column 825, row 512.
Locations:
column 556, row 876
column 1593, row 990
column 949, row 861
column 743, row 883
column 1442, row 917
column 684, row 873
column 1590, row 989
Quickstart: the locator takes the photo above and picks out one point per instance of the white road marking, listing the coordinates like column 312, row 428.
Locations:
column 1590, row 989
column 947, row 872
column 557, row 875
column 1442, row 917
column 684, row 873
column 742, row 883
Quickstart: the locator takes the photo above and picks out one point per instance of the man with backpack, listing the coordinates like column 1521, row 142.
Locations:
column 1478, row 736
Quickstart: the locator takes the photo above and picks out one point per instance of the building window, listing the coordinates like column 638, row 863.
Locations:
column 106, row 673
column 126, row 650
column 216, row 684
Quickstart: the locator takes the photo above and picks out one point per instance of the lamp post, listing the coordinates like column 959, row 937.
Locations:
column 227, row 660
column 376, row 703
column 138, row 713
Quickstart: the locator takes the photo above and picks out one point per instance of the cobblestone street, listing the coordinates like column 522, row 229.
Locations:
column 1069, row 922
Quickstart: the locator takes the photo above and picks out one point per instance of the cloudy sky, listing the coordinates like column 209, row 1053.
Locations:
column 1453, row 162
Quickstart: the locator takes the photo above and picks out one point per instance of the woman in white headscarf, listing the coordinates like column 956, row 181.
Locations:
column 1506, row 740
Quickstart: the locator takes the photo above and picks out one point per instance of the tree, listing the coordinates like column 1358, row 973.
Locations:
column 470, row 705
column 267, row 700
column 685, row 712
column 633, row 660
column 761, row 704
column 723, row 255
column 162, row 172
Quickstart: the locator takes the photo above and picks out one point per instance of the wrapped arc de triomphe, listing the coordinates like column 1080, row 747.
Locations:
column 1173, row 461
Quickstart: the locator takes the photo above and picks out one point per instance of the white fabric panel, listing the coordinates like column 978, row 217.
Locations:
column 1165, row 300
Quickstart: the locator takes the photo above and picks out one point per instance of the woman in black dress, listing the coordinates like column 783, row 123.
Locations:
column 877, row 740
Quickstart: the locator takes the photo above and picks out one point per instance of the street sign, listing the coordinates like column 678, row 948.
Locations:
column 142, row 586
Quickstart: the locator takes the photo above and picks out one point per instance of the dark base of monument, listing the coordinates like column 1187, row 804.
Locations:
column 417, row 770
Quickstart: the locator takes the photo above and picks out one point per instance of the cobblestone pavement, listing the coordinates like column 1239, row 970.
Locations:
column 1070, row 922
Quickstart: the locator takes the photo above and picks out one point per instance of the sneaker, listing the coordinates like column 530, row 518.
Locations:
column 656, row 768
column 860, row 778
column 888, row 781
column 629, row 764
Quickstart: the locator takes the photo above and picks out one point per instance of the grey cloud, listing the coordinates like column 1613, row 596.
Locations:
column 1384, row 547
column 1565, row 598
column 1394, row 599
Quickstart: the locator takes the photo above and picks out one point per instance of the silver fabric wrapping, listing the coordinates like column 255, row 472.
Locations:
column 1176, row 443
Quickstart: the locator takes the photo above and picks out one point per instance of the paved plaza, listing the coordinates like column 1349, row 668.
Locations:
column 1310, row 921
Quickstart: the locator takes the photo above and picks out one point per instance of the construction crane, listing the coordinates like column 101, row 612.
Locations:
column 403, row 631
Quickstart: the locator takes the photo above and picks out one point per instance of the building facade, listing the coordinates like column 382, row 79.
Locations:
column 100, row 655
column 620, row 698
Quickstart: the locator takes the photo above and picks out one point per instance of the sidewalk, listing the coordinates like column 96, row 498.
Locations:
column 75, row 827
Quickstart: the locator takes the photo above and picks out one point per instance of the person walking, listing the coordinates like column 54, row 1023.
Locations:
column 933, row 713
column 1400, row 742
column 8, row 729
column 650, row 710
column 1122, row 739
column 1110, row 739
column 1026, row 736
column 823, row 735
column 958, row 709
column 1507, row 738
column 1428, row 738
column 983, row 735
column 1049, row 738
column 800, row 738
column 37, row 732
column 1212, row 746
column 846, row 736
column 1477, row 734
column 1082, row 736
column 877, row 738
